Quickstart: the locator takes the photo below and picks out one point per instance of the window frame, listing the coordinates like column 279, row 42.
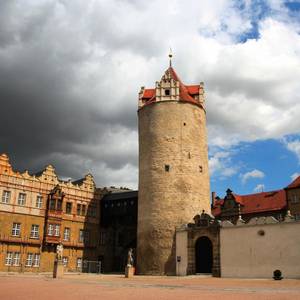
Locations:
column 56, row 230
column 16, row 229
column 67, row 234
column 69, row 208
column 29, row 260
column 22, row 199
column 34, row 232
column 16, row 259
column 36, row 260
column 50, row 232
column 79, row 262
column 39, row 201
column 65, row 261
column 5, row 197
column 78, row 209
column 83, row 210
column 9, row 258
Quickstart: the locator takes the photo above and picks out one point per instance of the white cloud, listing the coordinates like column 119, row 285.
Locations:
column 259, row 188
column 294, row 176
column 220, row 165
column 98, row 54
column 252, row 174
column 294, row 146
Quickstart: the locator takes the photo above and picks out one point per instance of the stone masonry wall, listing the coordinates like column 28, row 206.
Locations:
column 173, row 179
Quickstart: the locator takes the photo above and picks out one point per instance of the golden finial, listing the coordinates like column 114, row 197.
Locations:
column 170, row 57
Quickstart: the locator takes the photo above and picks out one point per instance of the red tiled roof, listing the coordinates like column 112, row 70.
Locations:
column 185, row 92
column 260, row 202
column 294, row 184
column 148, row 93
column 193, row 89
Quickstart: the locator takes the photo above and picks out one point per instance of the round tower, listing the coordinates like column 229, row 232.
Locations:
column 173, row 168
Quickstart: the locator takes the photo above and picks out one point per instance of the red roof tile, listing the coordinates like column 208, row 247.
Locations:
column 294, row 184
column 193, row 89
column 260, row 202
column 148, row 93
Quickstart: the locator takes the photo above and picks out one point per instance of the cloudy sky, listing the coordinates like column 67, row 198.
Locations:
column 70, row 73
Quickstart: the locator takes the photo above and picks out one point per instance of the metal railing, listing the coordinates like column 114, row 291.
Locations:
column 90, row 266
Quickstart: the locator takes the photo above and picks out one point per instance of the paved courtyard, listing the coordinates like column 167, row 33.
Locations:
column 85, row 286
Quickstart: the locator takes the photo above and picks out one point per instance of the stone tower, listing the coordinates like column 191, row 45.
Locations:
column 173, row 168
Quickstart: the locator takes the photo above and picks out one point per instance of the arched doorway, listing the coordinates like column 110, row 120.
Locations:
column 204, row 255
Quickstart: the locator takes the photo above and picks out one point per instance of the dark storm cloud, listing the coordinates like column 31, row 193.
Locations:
column 70, row 73
column 48, row 112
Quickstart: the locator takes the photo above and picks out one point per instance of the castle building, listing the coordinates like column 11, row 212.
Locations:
column 167, row 222
column 37, row 212
column 293, row 197
column 234, row 206
column 173, row 168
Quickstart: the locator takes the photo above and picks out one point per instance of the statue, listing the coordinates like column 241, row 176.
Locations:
column 59, row 251
column 130, row 258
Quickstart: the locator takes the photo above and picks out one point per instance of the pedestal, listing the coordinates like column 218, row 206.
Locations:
column 129, row 271
column 58, row 271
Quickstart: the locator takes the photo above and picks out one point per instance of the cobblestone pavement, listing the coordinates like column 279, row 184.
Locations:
column 86, row 286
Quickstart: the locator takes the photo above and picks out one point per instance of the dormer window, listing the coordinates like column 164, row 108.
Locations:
column 167, row 92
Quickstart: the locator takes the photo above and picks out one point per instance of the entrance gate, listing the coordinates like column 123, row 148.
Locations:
column 204, row 255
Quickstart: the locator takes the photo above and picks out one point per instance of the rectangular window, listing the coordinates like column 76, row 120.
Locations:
column 57, row 230
column 79, row 263
column 34, row 231
column 52, row 204
column 67, row 232
column 16, row 260
column 39, row 201
column 78, row 209
column 29, row 260
column 92, row 210
column 102, row 238
column 86, row 238
column 59, row 205
column 65, row 261
column 9, row 257
column 81, row 235
column 295, row 199
column 16, row 229
column 68, row 207
column 5, row 196
column 36, row 260
column 22, row 199
column 50, row 229
column 83, row 209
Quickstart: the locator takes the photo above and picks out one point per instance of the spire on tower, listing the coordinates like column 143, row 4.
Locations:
column 170, row 57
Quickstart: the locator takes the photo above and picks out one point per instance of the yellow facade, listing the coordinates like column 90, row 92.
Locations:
column 31, row 227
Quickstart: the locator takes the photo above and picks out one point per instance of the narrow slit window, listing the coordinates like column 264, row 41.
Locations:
column 167, row 168
column 200, row 169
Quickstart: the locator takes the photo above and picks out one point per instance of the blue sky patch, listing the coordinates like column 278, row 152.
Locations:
column 270, row 157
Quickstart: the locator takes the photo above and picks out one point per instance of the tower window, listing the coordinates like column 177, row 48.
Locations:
column 200, row 169
column 167, row 168
column 167, row 92
column 184, row 124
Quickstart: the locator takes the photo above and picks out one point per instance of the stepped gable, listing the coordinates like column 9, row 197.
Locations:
column 186, row 92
